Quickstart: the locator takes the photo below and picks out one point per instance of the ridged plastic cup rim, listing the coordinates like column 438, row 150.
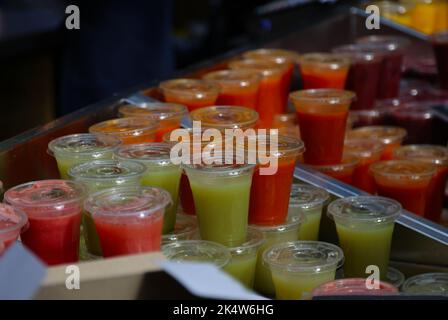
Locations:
column 155, row 110
column 307, row 197
column 111, row 143
column 324, row 96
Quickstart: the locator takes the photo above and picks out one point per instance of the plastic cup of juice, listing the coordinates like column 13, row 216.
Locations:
column 405, row 181
column 128, row 220
column 13, row 221
column 99, row 175
column 225, row 117
column 221, row 194
column 354, row 287
column 437, row 156
column 322, row 115
column 395, row 277
column 286, row 123
column 368, row 152
column 128, row 130
column 270, row 94
column 186, row 228
column 193, row 93
column 160, row 172
column 197, row 251
column 285, row 58
column 365, row 225
column 288, row 231
column 369, row 117
column 169, row 115
column 298, row 267
column 324, row 70
column 391, row 137
column 54, row 210
column 309, row 201
column 238, row 87
column 440, row 47
column 431, row 284
column 343, row 171
column 244, row 258
column 364, row 74
column 75, row 149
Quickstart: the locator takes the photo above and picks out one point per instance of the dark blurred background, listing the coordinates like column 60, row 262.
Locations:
column 48, row 71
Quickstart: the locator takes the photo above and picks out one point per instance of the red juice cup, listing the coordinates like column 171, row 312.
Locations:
column 285, row 58
column 405, row 181
column 322, row 115
column 13, row 221
column 354, row 287
column 128, row 220
column 363, row 76
column 238, row 87
column 270, row 94
column 54, row 210
column 344, row 171
column 391, row 137
column 438, row 156
column 193, row 93
column 440, row 46
column 169, row 115
column 324, row 70
column 225, row 117
column 128, row 130
column 392, row 48
column 368, row 152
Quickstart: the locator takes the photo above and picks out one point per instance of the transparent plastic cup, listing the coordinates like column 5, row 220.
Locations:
column 309, row 201
column 54, row 210
column 75, row 149
column 432, row 284
column 354, row 287
column 440, row 47
column 128, row 220
column 160, row 172
column 13, row 221
column 365, row 225
column 343, row 171
column 186, row 228
column 197, row 251
column 299, row 267
column 225, row 117
column 405, row 181
column 128, row 130
column 395, row 277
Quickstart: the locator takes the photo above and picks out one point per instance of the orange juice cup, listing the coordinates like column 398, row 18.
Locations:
column 368, row 152
column 405, row 181
column 391, row 137
column 193, row 93
column 169, row 115
column 238, row 87
column 270, row 95
column 343, row 171
column 128, row 130
column 323, row 70
column 225, row 117
column 438, row 156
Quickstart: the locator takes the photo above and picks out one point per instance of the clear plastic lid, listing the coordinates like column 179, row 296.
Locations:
column 323, row 96
column 403, row 169
column 358, row 53
column 195, row 138
column 11, row 219
column 260, row 145
column 156, row 110
column 128, row 202
column 234, row 78
column 437, row 155
column 325, row 61
column 265, row 67
column 219, row 166
column 384, row 42
column 254, row 240
column 304, row 256
column 107, row 170
column 45, row 193
column 280, row 55
column 225, row 117
column 386, row 134
column 363, row 148
column 353, row 287
column 292, row 223
column 197, row 251
column 194, row 88
column 427, row 284
column 153, row 154
column 84, row 145
column 185, row 228
column 307, row 197
column 395, row 277
column 371, row 209
column 125, row 126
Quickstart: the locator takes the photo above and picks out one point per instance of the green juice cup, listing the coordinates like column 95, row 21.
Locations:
column 298, row 267
column 365, row 226
column 221, row 197
column 160, row 172
column 308, row 200
column 244, row 258
column 99, row 175
column 289, row 231
column 197, row 251
column 186, row 228
column 75, row 149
